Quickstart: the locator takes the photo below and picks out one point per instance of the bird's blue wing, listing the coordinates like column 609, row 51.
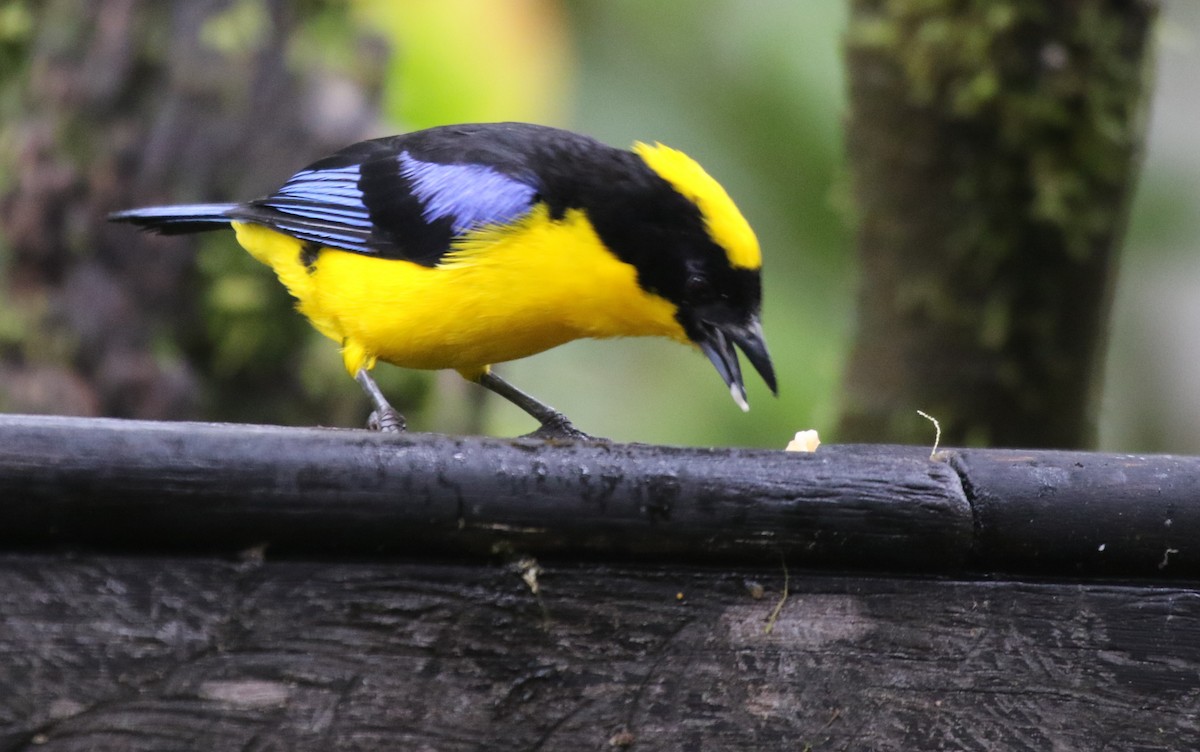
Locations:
column 469, row 195
column 324, row 206
column 392, row 204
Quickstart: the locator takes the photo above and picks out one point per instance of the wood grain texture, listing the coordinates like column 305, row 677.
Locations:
column 387, row 613
column 196, row 654
column 130, row 485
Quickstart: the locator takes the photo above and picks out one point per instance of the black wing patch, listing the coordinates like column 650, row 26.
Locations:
column 393, row 205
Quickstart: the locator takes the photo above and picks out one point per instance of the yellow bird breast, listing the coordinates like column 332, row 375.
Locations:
column 501, row 293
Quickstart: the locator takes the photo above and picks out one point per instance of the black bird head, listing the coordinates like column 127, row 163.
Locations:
column 720, row 299
column 691, row 245
column 722, row 314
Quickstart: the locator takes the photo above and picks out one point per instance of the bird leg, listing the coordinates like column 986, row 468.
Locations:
column 555, row 425
column 384, row 418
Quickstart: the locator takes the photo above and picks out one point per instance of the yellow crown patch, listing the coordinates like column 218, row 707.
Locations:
column 726, row 225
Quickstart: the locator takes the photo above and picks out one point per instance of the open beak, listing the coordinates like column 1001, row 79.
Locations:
column 717, row 343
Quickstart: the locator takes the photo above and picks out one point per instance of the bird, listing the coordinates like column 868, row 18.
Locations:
column 462, row 246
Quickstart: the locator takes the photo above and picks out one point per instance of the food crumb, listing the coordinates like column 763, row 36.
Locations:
column 805, row 441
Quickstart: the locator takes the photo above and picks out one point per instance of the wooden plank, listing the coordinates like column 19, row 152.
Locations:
column 171, row 654
column 332, row 648
column 131, row 485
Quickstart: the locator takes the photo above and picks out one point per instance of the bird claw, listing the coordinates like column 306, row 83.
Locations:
column 559, row 427
column 389, row 421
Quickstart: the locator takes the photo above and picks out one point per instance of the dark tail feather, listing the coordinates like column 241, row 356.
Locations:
column 177, row 220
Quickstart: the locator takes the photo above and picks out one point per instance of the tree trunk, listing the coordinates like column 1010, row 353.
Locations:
column 994, row 148
column 119, row 103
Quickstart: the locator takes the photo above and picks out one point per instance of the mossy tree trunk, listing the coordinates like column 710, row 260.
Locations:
column 994, row 147
column 118, row 103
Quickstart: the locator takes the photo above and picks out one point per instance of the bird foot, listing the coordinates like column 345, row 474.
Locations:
column 386, row 421
column 559, row 427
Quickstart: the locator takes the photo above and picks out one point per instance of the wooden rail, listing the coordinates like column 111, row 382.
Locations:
column 197, row 587
column 130, row 485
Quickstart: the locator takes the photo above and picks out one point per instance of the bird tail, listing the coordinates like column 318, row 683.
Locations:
column 179, row 219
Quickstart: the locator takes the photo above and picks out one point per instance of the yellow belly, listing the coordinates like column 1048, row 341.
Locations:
column 502, row 294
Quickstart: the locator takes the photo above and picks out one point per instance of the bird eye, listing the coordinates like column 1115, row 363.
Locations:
column 699, row 288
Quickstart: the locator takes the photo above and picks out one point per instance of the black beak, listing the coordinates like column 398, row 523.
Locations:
column 717, row 342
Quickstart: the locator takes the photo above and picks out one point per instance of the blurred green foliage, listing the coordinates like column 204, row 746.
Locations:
column 754, row 91
column 16, row 36
column 461, row 61
column 241, row 29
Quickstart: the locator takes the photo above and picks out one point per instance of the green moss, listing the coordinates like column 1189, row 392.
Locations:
column 995, row 146
column 1060, row 118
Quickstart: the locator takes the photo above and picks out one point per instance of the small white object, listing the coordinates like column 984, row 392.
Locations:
column 937, row 431
column 805, row 441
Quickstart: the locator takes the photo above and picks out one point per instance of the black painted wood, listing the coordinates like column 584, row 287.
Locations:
column 129, row 485
column 388, row 613
column 168, row 654
column 1084, row 513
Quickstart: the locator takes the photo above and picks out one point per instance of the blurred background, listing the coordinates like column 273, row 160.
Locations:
column 1151, row 399
column 102, row 106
